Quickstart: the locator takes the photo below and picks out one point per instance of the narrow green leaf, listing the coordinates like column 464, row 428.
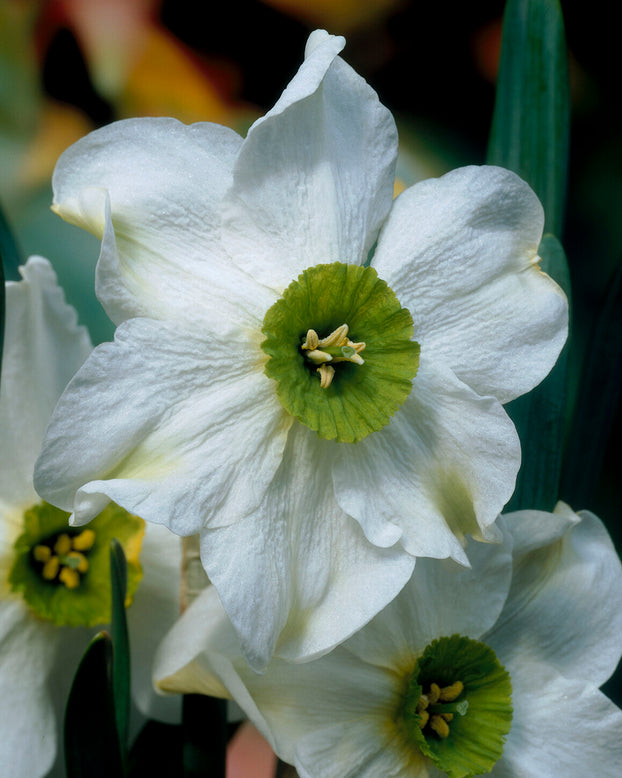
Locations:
column 540, row 415
column 9, row 252
column 531, row 117
column 205, row 736
column 120, row 643
column 91, row 740
column 598, row 397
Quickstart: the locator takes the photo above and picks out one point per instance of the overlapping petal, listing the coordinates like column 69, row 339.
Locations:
column 562, row 728
column 298, row 559
column 444, row 467
column 151, row 189
column 572, row 580
column 314, row 178
column 43, row 348
column 27, row 722
column 163, row 423
column 461, row 254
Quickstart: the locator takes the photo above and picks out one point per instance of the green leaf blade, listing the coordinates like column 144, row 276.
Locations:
column 120, row 643
column 91, row 739
column 530, row 127
column 540, row 415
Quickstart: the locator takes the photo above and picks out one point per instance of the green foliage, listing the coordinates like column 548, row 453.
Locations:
column 530, row 127
column 540, row 415
column 91, row 739
column 204, row 736
column 598, row 399
column 120, row 643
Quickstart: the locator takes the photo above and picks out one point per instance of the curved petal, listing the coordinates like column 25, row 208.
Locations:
column 564, row 603
column 151, row 189
column 181, row 431
column 43, row 348
column 460, row 252
column 302, row 568
column 559, row 727
column 443, row 467
column 27, row 650
column 314, row 178
column 152, row 613
column 441, row 599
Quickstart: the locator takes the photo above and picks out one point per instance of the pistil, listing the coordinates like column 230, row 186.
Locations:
column 436, row 708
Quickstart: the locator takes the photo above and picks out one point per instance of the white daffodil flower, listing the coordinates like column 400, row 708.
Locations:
column 320, row 422
column 54, row 579
column 493, row 670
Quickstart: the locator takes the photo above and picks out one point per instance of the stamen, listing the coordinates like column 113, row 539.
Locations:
column 327, row 373
column 434, row 693
column 424, row 717
column 50, row 568
column 42, row 553
column 333, row 348
column 450, row 693
column 63, row 544
column 84, row 541
column 440, row 726
column 69, row 577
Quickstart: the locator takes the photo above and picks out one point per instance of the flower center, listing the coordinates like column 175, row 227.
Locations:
column 456, row 706
column 63, row 557
column 307, row 337
column 63, row 573
column 334, row 348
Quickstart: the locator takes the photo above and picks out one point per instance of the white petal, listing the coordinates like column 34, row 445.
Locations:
column 27, row 649
column 441, row 599
column 43, row 348
column 564, row 603
column 179, row 430
column 559, row 728
column 357, row 749
column 300, row 565
column 443, row 467
column 153, row 612
column 314, row 178
column 460, row 252
column 151, row 189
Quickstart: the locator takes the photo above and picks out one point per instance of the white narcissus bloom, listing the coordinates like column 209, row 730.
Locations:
column 54, row 580
column 517, row 648
column 319, row 422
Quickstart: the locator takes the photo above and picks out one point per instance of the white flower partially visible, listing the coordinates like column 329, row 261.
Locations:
column 546, row 601
column 314, row 486
column 43, row 347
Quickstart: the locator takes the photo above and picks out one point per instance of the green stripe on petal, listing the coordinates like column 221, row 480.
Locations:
column 341, row 351
column 457, row 706
column 80, row 596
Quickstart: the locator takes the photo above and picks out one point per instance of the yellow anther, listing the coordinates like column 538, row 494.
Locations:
column 447, row 716
column 327, row 373
column 423, row 703
column 84, row 541
column 42, row 553
column 63, row 544
column 424, row 717
column 69, row 577
column 317, row 357
column 450, row 693
column 79, row 561
column 337, row 337
column 50, row 568
column 434, row 693
column 440, row 726
column 311, row 341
